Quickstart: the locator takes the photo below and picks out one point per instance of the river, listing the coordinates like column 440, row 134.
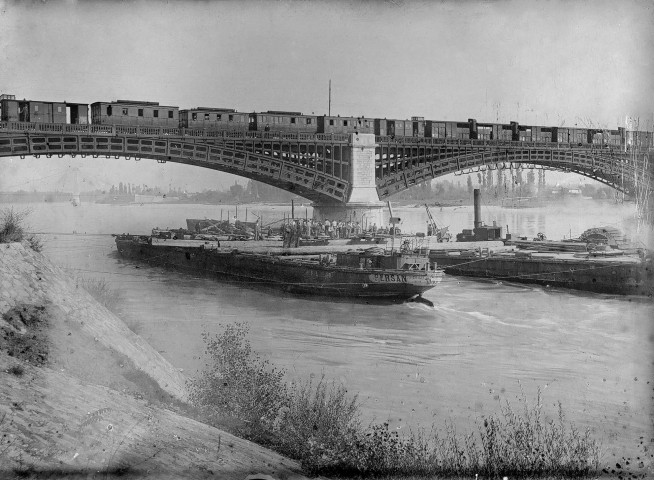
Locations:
column 481, row 344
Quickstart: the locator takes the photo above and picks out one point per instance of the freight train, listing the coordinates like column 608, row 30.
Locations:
column 141, row 113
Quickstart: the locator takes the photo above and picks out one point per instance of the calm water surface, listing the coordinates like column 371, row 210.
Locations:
column 412, row 365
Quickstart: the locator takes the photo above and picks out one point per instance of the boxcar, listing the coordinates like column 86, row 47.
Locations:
column 417, row 126
column 541, row 134
column 458, row 130
column 485, row 131
column 525, row 133
column 570, row 135
column 34, row 111
column 501, row 131
column 130, row 112
column 434, row 129
column 638, row 139
column 612, row 137
column 214, row 119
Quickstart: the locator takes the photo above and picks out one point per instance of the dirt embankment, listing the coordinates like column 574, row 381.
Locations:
column 82, row 396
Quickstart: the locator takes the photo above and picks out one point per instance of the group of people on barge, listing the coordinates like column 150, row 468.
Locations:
column 293, row 230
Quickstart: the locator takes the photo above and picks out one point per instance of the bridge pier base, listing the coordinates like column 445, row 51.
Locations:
column 363, row 204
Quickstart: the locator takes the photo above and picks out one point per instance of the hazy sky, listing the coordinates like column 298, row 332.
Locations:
column 540, row 63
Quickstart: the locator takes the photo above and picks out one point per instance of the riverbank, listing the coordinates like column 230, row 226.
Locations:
column 81, row 394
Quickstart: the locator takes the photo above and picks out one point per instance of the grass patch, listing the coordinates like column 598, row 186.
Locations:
column 319, row 424
column 13, row 228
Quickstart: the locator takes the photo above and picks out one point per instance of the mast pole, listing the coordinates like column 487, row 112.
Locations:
column 329, row 112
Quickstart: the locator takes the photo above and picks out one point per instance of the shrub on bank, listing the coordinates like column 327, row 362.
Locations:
column 12, row 228
column 239, row 383
column 319, row 424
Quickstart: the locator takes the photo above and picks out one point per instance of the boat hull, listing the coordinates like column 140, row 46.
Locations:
column 296, row 275
column 600, row 275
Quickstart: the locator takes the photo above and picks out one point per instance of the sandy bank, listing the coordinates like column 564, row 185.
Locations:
column 82, row 395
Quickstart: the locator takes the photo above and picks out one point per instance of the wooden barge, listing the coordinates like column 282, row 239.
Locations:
column 371, row 273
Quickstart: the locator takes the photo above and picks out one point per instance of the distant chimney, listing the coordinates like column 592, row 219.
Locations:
column 477, row 202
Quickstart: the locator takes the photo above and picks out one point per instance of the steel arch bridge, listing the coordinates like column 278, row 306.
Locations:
column 320, row 167
column 403, row 163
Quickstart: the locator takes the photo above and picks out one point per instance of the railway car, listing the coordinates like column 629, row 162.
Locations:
column 570, row 135
column 434, row 129
column 542, row 134
column 612, row 137
column 205, row 118
column 597, row 136
column 500, row 131
column 131, row 112
column 458, row 130
column 338, row 124
column 416, row 127
column 638, row 139
column 280, row 121
column 484, row 131
column 525, row 133
column 34, row 111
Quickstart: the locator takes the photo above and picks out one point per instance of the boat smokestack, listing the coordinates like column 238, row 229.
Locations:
column 477, row 201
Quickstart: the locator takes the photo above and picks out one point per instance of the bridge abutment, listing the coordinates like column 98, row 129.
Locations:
column 363, row 204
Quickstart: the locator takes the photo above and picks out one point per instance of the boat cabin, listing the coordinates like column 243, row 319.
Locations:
column 383, row 261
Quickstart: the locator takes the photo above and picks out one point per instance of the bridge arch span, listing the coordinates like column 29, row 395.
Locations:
column 282, row 167
column 619, row 170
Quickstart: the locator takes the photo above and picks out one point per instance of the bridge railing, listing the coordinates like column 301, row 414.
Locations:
column 146, row 131
column 412, row 141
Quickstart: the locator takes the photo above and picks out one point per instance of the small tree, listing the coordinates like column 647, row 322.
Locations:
column 238, row 382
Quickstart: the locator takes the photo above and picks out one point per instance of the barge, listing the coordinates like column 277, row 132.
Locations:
column 370, row 273
column 600, row 272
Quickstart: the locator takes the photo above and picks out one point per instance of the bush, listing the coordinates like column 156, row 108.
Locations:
column 239, row 383
column 12, row 228
column 319, row 425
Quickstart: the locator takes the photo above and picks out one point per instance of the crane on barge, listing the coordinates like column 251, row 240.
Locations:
column 441, row 233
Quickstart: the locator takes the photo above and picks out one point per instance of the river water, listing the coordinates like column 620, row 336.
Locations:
column 481, row 344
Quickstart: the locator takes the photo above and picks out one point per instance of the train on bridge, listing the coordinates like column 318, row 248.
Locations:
column 152, row 114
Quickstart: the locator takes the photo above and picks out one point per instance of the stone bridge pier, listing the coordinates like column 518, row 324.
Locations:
column 363, row 204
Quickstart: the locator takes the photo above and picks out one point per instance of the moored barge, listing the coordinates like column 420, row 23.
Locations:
column 601, row 272
column 371, row 273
